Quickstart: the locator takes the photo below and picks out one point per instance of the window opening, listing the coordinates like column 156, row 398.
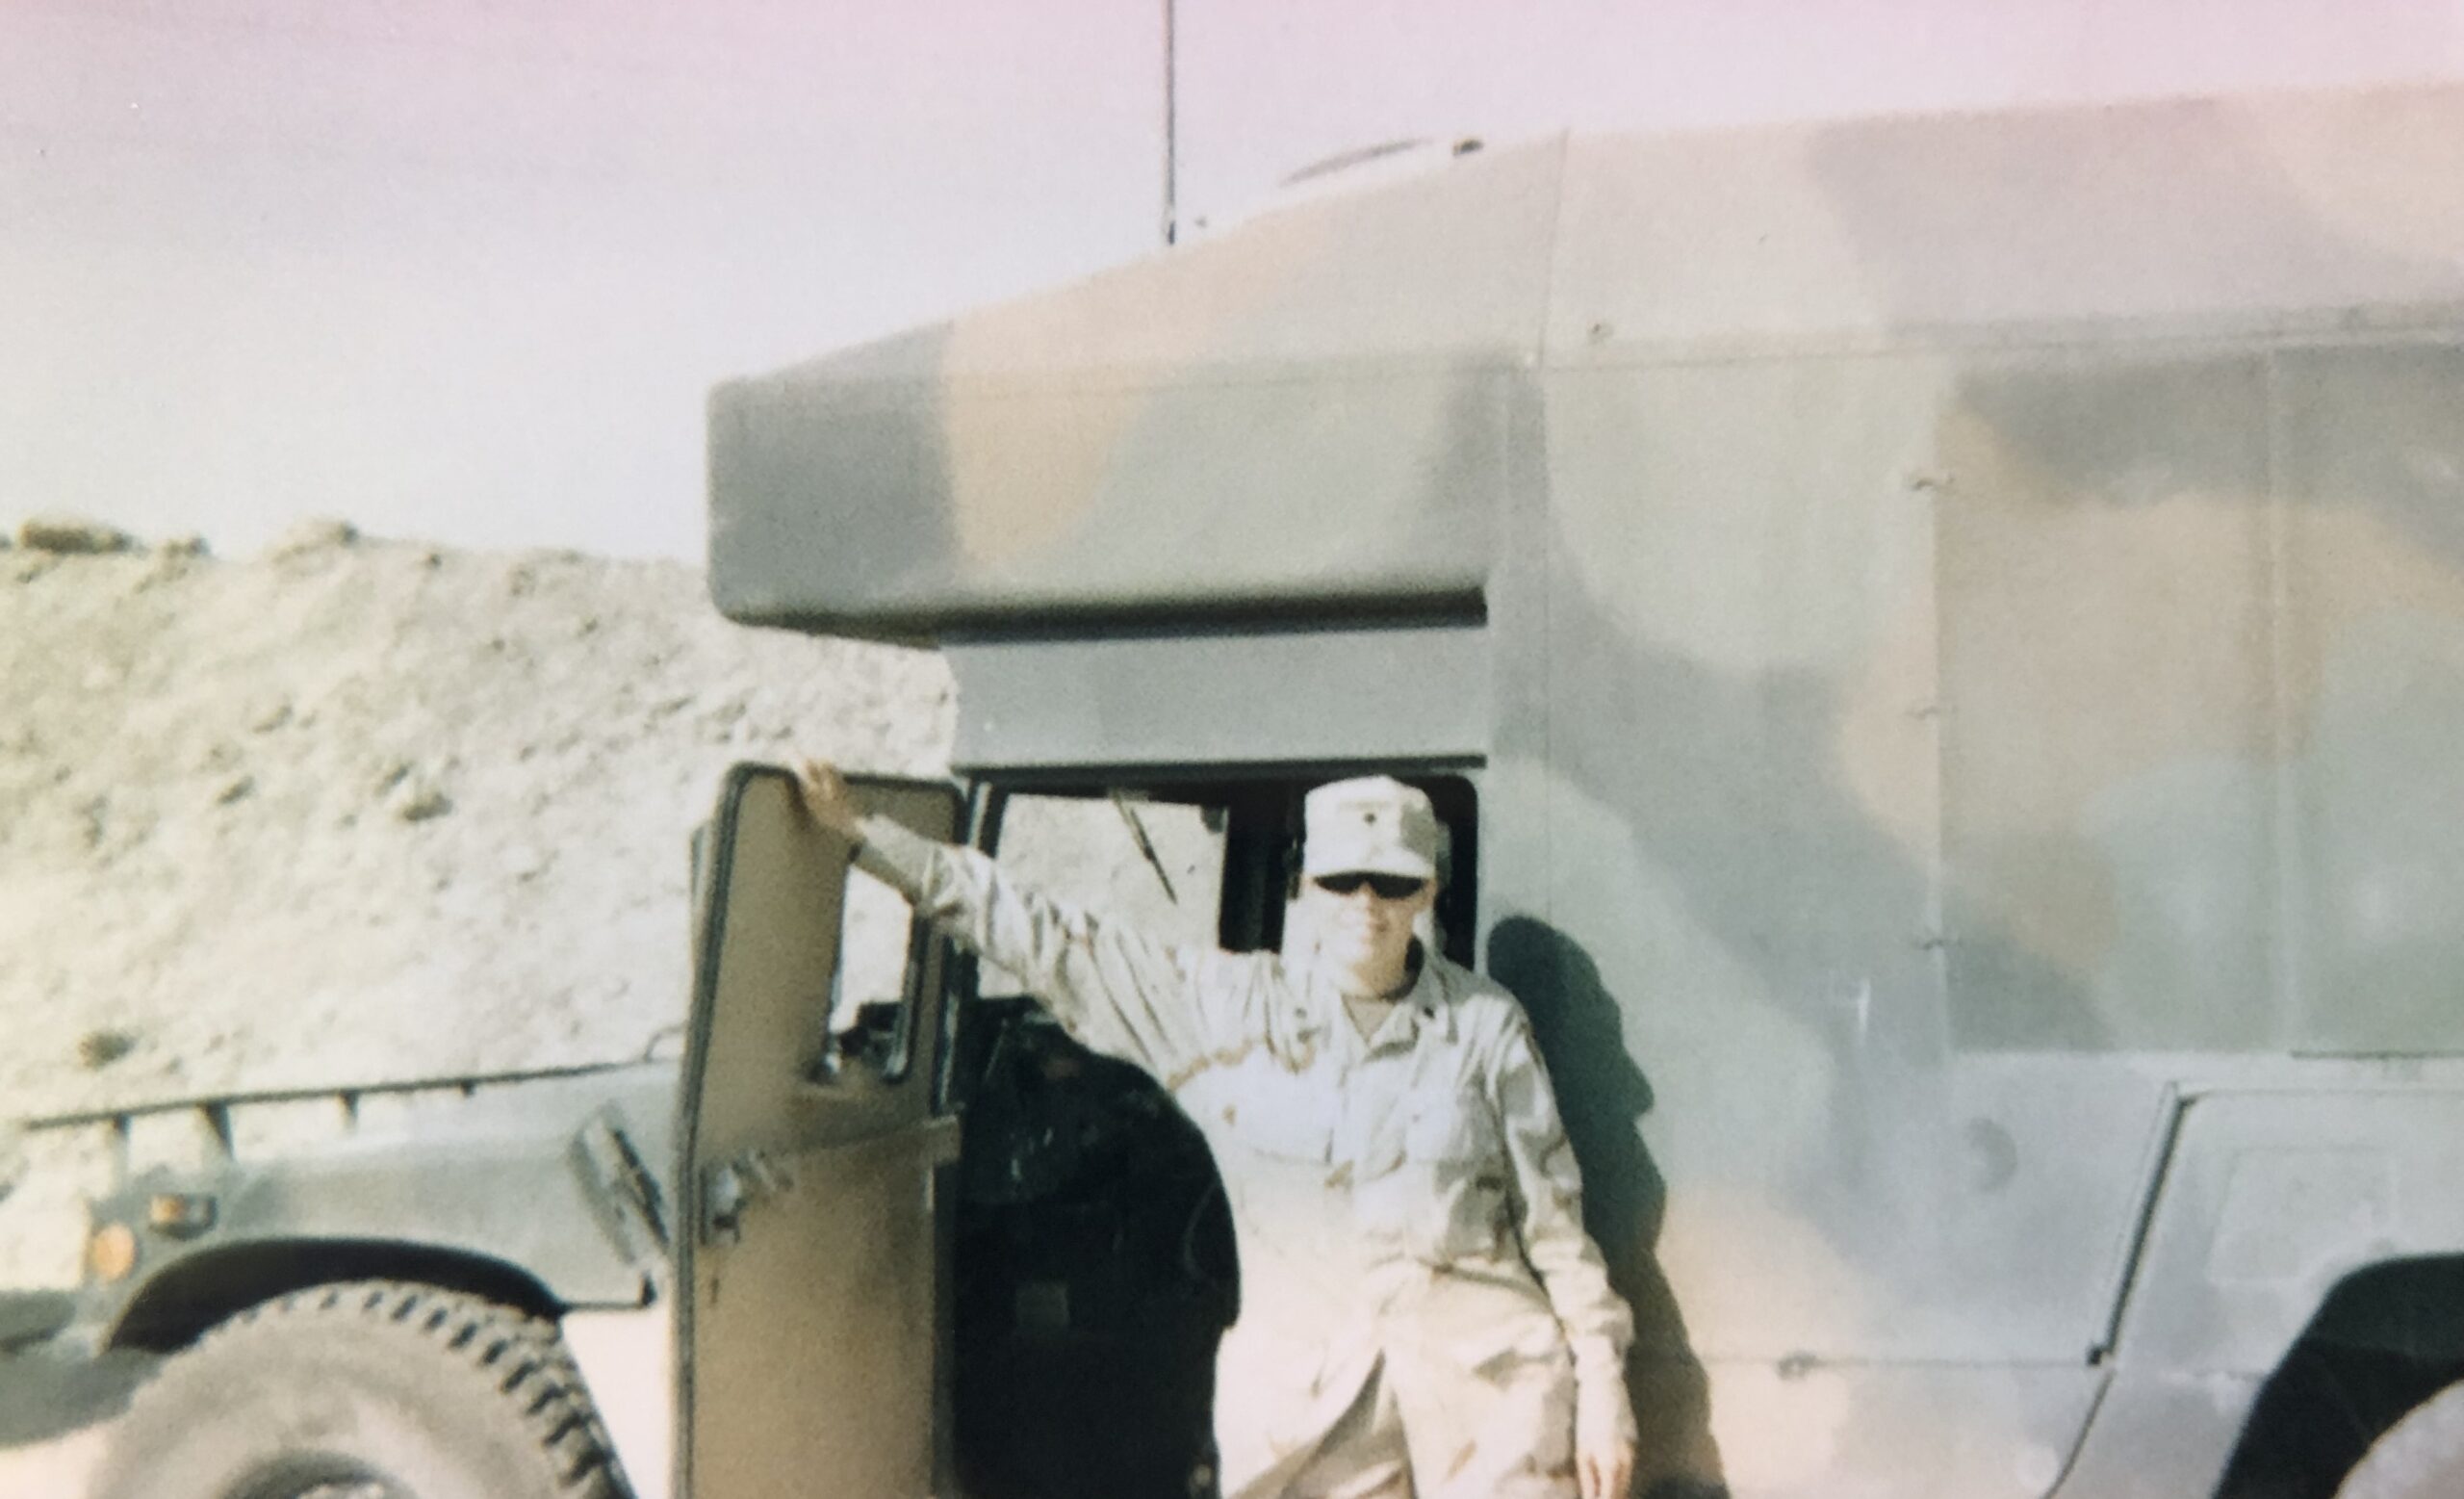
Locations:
column 870, row 1017
column 1208, row 863
column 1152, row 865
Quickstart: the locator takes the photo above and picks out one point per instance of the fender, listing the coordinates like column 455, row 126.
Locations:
column 543, row 1207
column 2278, row 1208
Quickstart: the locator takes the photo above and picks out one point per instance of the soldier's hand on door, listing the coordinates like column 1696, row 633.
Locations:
column 826, row 797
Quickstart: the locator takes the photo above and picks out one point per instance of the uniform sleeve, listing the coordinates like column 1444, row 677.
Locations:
column 1118, row 990
column 1549, row 1190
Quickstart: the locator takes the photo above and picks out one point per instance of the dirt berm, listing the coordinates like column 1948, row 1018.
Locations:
column 358, row 810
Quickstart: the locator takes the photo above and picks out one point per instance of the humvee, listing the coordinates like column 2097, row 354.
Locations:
column 1939, row 645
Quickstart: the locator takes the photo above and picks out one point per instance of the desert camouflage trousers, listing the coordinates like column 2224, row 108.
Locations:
column 1410, row 1428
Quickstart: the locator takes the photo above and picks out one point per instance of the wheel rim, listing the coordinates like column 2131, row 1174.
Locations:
column 319, row 1476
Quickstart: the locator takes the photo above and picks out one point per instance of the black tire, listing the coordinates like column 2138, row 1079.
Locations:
column 365, row 1389
column 2420, row 1456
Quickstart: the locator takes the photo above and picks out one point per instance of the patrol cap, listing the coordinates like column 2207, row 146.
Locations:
column 1371, row 825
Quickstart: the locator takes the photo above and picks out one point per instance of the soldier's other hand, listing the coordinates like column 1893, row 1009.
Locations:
column 825, row 795
column 1606, row 1465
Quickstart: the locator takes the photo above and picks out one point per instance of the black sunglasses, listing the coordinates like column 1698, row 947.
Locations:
column 1385, row 887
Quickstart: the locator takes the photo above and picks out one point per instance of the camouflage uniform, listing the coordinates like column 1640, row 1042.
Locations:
column 1421, row 1311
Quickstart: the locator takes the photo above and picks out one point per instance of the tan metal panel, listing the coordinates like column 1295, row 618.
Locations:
column 2374, row 495
column 2108, row 703
column 1395, row 692
column 2174, row 215
column 808, row 1231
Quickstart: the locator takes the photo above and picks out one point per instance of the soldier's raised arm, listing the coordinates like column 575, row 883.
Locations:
column 1117, row 989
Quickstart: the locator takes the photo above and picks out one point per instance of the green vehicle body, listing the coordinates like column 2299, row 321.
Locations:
column 543, row 1190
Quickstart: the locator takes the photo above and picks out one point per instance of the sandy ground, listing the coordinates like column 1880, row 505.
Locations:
column 51, row 1470
column 358, row 810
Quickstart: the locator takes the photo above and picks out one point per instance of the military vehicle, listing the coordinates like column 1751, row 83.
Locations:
column 401, row 1253
column 1939, row 644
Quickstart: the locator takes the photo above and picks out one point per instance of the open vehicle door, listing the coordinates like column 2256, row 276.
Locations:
column 808, row 1242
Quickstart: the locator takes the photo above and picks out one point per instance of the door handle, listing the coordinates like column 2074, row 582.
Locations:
column 731, row 1187
column 721, row 1206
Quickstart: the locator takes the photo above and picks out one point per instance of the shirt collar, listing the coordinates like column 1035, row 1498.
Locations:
column 1428, row 1004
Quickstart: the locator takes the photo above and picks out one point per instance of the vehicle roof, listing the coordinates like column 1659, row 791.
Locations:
column 1330, row 411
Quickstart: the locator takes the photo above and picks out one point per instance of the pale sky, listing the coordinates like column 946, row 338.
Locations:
column 465, row 270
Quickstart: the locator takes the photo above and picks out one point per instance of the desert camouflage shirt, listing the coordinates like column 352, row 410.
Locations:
column 1410, row 1196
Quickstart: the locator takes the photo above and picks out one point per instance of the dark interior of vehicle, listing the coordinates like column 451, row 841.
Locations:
column 1095, row 1268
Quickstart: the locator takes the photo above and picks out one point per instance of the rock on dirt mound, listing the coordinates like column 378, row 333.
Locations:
column 367, row 810
column 72, row 533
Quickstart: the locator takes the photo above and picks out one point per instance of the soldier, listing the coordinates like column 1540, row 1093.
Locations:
column 1421, row 1311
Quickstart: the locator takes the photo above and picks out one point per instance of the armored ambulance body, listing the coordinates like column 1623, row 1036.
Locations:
column 1940, row 643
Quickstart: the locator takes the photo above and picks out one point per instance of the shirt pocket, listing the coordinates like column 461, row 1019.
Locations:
column 1281, row 1116
column 1450, row 1128
column 1448, row 1199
